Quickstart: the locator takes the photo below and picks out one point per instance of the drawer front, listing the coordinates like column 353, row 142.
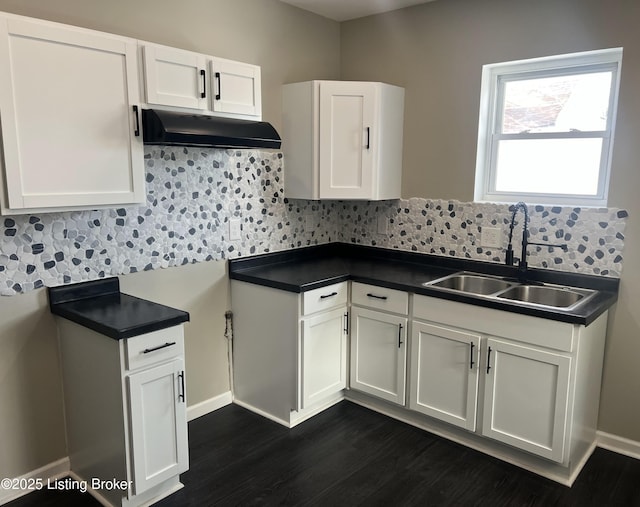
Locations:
column 324, row 298
column 156, row 347
column 381, row 298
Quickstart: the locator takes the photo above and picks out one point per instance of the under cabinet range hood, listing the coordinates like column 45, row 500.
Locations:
column 187, row 129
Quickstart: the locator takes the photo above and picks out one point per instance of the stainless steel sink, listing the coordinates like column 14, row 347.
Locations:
column 547, row 295
column 472, row 283
column 496, row 288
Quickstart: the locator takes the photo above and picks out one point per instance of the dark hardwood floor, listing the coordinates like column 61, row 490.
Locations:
column 349, row 456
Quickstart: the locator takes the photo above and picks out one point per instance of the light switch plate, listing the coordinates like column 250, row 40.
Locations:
column 235, row 229
column 383, row 225
column 491, row 237
column 308, row 223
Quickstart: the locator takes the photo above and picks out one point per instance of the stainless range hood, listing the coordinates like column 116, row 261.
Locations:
column 186, row 129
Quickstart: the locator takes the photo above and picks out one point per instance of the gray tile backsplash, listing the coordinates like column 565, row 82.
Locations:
column 192, row 193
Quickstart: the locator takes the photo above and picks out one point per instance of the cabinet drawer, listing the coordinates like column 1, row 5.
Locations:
column 154, row 347
column 390, row 300
column 324, row 298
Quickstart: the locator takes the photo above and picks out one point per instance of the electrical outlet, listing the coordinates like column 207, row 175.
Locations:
column 383, row 225
column 491, row 237
column 235, row 229
column 309, row 223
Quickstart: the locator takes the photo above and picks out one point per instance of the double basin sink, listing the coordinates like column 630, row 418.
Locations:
column 542, row 295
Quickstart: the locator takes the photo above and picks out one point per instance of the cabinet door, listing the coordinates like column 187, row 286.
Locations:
column 174, row 77
column 68, row 125
column 444, row 373
column 525, row 398
column 378, row 354
column 237, row 88
column 323, row 353
column 158, row 413
column 348, row 136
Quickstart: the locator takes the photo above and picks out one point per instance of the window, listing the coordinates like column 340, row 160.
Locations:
column 546, row 129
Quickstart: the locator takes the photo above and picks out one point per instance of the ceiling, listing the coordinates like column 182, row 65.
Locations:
column 343, row 10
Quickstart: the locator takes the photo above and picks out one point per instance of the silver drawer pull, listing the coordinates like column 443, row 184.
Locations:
column 329, row 295
column 168, row 344
column 384, row 298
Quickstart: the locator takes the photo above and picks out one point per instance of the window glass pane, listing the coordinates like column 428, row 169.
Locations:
column 549, row 166
column 557, row 104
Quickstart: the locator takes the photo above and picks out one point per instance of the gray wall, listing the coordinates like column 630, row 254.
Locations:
column 436, row 51
column 289, row 45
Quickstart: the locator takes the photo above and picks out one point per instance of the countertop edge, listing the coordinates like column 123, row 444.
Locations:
column 246, row 271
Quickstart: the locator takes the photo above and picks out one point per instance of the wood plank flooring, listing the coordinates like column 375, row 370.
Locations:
column 349, row 456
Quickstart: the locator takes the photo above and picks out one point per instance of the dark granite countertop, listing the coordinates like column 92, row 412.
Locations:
column 100, row 306
column 318, row 266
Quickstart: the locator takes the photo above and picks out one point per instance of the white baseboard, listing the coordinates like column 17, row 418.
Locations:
column 52, row 471
column 207, row 406
column 618, row 444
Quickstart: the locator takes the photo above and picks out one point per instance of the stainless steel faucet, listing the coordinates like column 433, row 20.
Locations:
column 522, row 265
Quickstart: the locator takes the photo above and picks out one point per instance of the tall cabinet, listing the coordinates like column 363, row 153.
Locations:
column 342, row 140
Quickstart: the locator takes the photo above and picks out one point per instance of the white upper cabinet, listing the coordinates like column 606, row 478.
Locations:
column 174, row 77
column 236, row 88
column 343, row 140
column 188, row 80
column 69, row 131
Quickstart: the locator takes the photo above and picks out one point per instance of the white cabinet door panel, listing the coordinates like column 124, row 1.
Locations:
column 236, row 88
column 378, row 354
column 174, row 77
column 444, row 374
column 324, row 356
column 67, row 124
column 526, row 398
column 158, row 424
column 348, row 123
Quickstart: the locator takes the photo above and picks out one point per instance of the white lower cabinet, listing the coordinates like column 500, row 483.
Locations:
column 444, row 380
column 158, row 412
column 125, row 412
column 323, row 355
column 289, row 350
column 526, row 396
column 379, row 342
column 528, row 382
column 378, row 354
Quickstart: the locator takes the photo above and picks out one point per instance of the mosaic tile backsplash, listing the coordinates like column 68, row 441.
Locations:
column 192, row 193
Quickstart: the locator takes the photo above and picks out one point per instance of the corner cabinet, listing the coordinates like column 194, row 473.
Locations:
column 188, row 80
column 125, row 409
column 289, row 350
column 69, row 130
column 343, row 140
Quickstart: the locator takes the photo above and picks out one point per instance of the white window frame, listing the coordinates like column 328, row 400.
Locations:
column 491, row 100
